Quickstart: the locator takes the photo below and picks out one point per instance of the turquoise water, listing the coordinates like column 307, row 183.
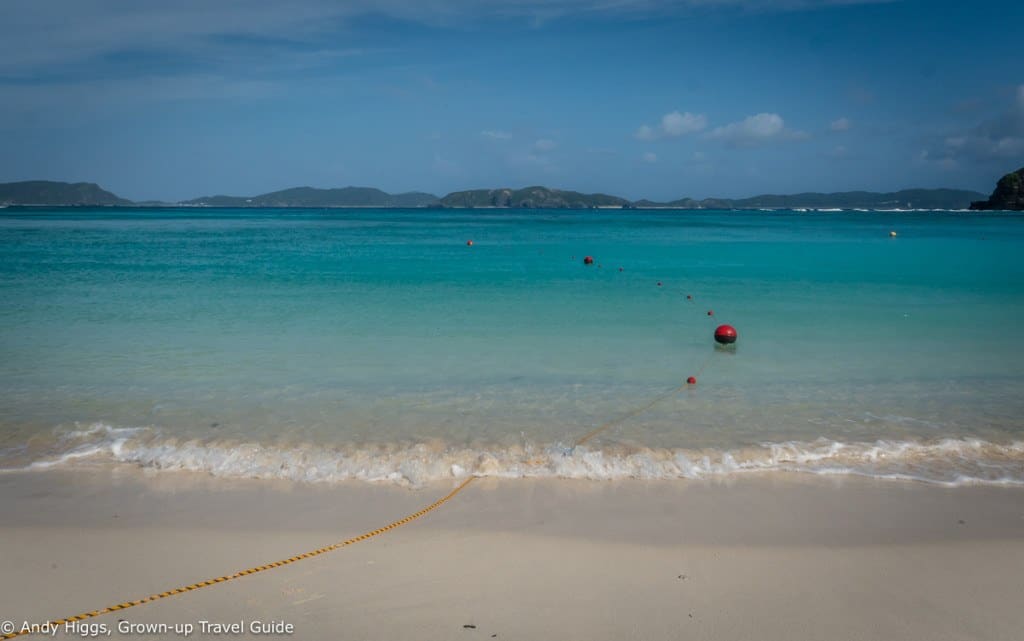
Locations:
column 337, row 344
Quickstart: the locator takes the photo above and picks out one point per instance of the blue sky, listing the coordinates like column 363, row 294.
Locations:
column 637, row 98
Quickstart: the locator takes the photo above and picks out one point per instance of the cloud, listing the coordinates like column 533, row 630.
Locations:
column 756, row 130
column 544, row 145
column 649, row 157
column 495, row 134
column 679, row 124
column 752, row 128
column 75, row 30
column 996, row 139
column 673, row 125
column 840, row 124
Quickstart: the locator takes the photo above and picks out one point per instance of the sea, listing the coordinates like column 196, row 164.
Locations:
column 340, row 345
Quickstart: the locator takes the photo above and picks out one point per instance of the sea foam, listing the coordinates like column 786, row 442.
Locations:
column 949, row 461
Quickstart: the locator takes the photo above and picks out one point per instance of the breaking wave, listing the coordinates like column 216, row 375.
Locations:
column 949, row 461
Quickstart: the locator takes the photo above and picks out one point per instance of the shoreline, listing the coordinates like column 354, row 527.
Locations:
column 770, row 558
column 945, row 462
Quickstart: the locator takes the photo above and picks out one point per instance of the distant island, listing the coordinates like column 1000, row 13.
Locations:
column 45, row 192
column 1008, row 194
column 312, row 197
column 532, row 198
column 50, row 193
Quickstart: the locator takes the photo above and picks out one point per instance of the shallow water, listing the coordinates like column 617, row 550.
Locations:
column 334, row 344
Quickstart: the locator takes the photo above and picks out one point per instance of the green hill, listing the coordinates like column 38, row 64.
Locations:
column 905, row 199
column 531, row 198
column 46, row 192
column 1008, row 194
column 313, row 197
column 543, row 197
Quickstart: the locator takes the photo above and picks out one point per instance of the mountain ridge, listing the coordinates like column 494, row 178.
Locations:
column 315, row 197
column 53, row 193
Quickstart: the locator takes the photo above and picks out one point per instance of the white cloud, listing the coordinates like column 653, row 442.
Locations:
column 649, row 157
column 679, row 124
column 840, row 124
column 544, row 145
column 495, row 134
column 755, row 130
column 673, row 125
column 763, row 125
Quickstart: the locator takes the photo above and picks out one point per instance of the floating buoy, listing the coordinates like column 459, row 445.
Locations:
column 620, row 269
column 892, row 234
column 692, row 380
column 689, row 297
column 469, row 243
column 725, row 334
column 711, row 312
column 588, row 260
column 659, row 283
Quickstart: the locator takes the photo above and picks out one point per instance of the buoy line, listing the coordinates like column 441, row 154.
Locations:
column 724, row 334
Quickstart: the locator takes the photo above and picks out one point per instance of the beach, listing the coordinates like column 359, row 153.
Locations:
column 517, row 320
column 779, row 557
column 187, row 395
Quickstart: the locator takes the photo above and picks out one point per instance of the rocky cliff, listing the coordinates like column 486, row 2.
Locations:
column 1008, row 194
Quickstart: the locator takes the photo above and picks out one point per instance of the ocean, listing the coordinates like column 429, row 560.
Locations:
column 377, row 345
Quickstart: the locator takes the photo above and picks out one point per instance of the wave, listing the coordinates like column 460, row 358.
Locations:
column 949, row 461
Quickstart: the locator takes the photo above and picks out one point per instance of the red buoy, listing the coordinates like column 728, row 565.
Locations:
column 588, row 260
column 692, row 380
column 725, row 334
column 469, row 243
column 711, row 312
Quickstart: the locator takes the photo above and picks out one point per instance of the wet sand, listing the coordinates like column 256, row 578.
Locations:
column 769, row 557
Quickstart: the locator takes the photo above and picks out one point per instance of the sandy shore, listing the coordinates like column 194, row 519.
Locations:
column 760, row 558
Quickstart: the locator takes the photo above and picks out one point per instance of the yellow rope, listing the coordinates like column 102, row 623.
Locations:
column 260, row 568
column 358, row 539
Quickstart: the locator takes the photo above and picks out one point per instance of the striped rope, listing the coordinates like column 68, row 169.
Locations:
column 260, row 568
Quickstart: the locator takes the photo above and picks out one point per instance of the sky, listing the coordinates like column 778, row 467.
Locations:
column 636, row 98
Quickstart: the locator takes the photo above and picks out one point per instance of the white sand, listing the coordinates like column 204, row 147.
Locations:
column 762, row 558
